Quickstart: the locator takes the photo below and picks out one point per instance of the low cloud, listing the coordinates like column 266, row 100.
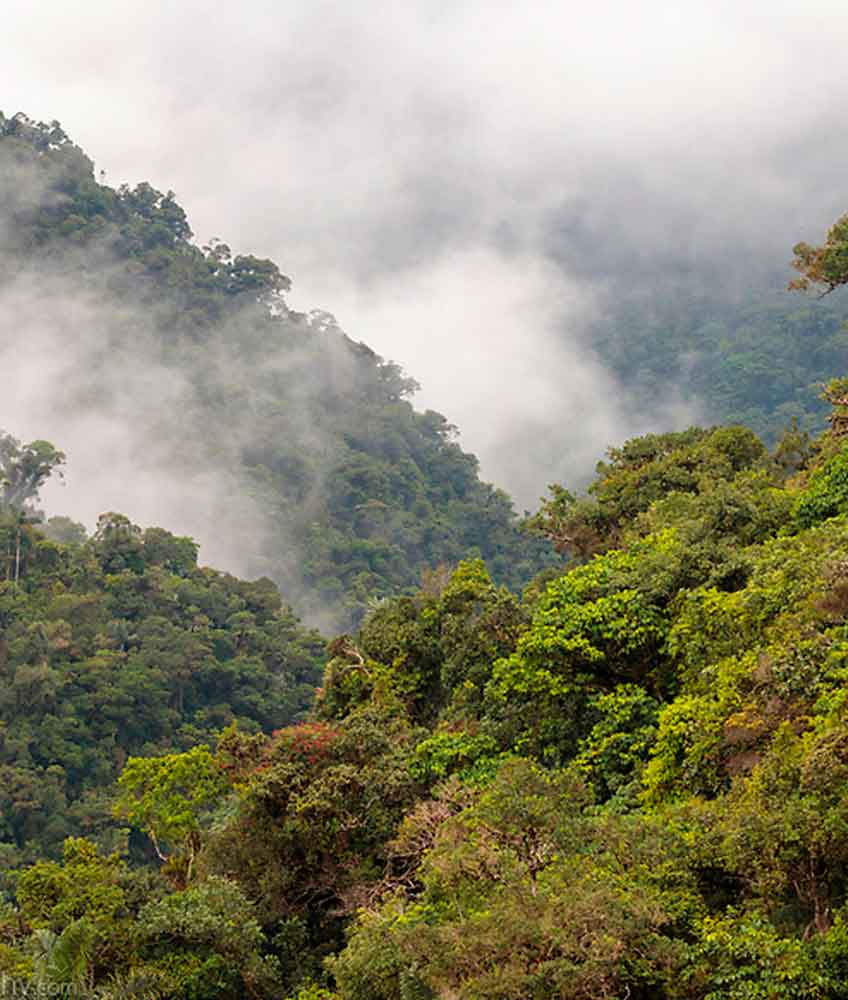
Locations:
column 468, row 187
column 123, row 417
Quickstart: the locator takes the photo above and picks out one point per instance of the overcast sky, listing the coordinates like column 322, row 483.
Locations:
column 408, row 165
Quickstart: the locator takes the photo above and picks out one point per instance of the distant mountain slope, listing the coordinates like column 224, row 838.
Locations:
column 323, row 476
column 740, row 347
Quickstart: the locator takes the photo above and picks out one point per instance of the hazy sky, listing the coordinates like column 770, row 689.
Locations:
column 410, row 166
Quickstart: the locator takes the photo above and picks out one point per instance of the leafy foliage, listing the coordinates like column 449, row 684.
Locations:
column 24, row 469
column 121, row 646
column 693, row 676
column 825, row 266
column 166, row 797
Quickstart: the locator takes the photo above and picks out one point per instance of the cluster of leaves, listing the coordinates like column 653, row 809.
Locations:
column 90, row 925
column 637, row 475
column 824, row 267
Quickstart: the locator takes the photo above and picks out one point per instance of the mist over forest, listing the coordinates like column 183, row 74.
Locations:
column 423, row 502
column 185, row 391
column 432, row 191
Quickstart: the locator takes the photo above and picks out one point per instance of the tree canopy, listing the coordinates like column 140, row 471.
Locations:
column 824, row 267
column 627, row 780
column 24, row 468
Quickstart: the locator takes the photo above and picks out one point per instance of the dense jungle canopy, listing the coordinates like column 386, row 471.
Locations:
column 600, row 754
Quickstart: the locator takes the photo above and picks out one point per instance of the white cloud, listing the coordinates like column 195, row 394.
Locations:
column 407, row 163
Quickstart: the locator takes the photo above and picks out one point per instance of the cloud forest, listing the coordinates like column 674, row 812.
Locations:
column 310, row 710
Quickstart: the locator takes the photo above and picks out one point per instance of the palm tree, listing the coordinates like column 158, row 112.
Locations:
column 64, row 959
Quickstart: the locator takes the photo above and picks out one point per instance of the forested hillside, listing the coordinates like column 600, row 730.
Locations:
column 325, row 477
column 630, row 782
column 753, row 356
column 627, row 780
column 713, row 323
column 121, row 645
column 305, row 441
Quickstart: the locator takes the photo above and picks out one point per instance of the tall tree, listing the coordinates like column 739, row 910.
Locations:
column 24, row 468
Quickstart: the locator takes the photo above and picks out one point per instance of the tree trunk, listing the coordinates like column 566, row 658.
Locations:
column 821, row 918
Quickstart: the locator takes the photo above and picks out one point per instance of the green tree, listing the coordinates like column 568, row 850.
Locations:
column 205, row 943
column 78, row 912
column 824, row 267
column 524, row 894
column 24, row 468
column 168, row 797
